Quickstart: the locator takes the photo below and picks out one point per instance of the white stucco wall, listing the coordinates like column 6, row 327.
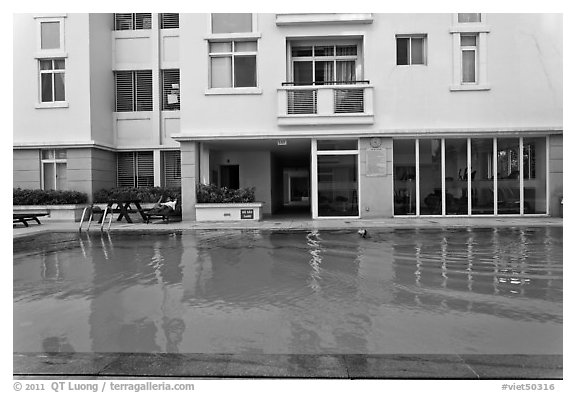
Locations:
column 524, row 72
column 51, row 125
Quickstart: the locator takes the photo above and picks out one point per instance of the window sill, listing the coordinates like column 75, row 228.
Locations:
column 50, row 54
column 48, row 105
column 232, row 36
column 483, row 87
column 233, row 91
column 470, row 28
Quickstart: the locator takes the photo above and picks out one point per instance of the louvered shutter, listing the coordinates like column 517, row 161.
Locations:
column 125, row 169
column 170, row 21
column 123, row 22
column 171, row 169
column 142, row 21
column 124, row 91
column 171, row 89
column 145, row 169
column 143, row 90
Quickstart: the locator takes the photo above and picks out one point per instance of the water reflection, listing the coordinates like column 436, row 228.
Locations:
column 458, row 272
column 400, row 291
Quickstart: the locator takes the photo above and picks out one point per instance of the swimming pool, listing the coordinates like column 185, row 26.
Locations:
column 400, row 291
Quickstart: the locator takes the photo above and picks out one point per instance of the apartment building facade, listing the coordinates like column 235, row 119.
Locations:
column 335, row 115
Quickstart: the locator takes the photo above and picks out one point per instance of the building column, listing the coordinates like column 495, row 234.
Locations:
column 189, row 170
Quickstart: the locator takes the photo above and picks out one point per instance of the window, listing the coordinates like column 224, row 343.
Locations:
column 468, row 48
column 231, row 23
column 54, row 169
column 171, row 175
column 132, row 21
column 323, row 64
column 169, row 21
column 469, row 18
column 135, row 169
column 410, row 50
column 133, row 91
column 52, row 86
column 170, row 90
column 50, row 35
column 233, row 64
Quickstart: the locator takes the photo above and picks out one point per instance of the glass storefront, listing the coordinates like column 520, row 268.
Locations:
column 337, row 173
column 482, row 178
column 404, row 177
column 430, row 176
column 458, row 176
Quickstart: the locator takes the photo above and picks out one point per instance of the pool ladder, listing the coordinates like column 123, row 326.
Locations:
column 89, row 212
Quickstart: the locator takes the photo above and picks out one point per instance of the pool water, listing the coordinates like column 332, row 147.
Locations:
column 398, row 291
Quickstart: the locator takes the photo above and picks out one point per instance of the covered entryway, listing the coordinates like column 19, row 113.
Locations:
column 278, row 169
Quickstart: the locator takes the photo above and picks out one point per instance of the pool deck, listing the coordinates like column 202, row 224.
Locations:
column 400, row 366
column 358, row 366
column 287, row 223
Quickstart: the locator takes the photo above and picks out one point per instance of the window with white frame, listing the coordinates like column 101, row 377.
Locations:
column 469, row 58
column 171, row 90
column 233, row 64
column 132, row 21
column 54, row 163
column 50, row 37
column 171, row 172
column 223, row 23
column 469, row 18
column 410, row 49
column 135, row 169
column 52, row 81
column 320, row 64
column 133, row 91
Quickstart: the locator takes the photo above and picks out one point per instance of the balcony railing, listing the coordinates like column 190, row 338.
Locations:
column 334, row 102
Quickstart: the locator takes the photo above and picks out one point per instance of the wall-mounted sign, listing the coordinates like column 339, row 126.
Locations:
column 246, row 214
column 376, row 163
column 282, row 142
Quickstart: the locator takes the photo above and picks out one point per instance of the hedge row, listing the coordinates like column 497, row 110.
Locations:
column 213, row 194
column 47, row 197
column 204, row 194
column 144, row 194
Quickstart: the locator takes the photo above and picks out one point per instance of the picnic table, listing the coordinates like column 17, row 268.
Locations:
column 124, row 207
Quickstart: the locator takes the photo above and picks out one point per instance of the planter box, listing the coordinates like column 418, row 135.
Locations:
column 56, row 212
column 229, row 211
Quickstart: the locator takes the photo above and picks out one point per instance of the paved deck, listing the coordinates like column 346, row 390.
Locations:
column 287, row 223
column 120, row 365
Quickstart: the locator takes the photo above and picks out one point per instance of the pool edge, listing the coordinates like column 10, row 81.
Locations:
column 344, row 366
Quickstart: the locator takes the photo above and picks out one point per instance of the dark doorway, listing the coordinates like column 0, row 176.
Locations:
column 230, row 176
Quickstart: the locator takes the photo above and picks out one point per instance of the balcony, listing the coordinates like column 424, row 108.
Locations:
column 325, row 103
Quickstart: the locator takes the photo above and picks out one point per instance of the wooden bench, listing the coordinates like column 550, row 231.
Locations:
column 25, row 217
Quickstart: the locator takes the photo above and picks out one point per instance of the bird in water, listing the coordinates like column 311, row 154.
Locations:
column 363, row 233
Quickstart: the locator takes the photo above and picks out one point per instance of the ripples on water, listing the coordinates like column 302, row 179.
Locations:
column 397, row 291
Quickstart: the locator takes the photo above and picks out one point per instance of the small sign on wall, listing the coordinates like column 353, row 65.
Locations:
column 246, row 214
column 376, row 162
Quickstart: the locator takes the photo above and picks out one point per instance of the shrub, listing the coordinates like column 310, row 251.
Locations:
column 144, row 194
column 212, row 194
column 47, row 197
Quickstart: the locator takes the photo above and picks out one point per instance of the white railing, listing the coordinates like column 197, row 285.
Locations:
column 337, row 103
